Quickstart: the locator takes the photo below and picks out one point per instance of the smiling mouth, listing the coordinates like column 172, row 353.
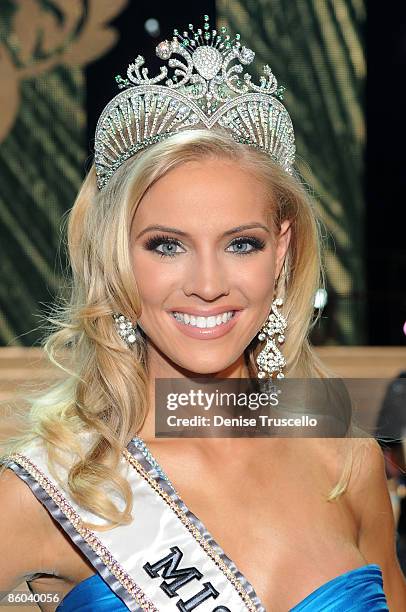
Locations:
column 201, row 322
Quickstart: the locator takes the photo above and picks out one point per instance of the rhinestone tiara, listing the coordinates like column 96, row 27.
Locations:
column 208, row 88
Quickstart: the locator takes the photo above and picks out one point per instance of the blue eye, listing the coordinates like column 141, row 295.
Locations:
column 168, row 249
column 245, row 246
column 166, row 246
column 169, row 246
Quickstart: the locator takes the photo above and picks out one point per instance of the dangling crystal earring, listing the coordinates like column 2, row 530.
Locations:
column 270, row 360
column 125, row 329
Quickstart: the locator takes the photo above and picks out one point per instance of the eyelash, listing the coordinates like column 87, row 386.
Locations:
column 155, row 241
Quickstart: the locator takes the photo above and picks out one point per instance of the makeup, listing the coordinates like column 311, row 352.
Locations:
column 195, row 328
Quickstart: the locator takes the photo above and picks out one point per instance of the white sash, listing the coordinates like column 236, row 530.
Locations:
column 164, row 560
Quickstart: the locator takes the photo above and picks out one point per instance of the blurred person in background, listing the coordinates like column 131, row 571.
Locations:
column 391, row 431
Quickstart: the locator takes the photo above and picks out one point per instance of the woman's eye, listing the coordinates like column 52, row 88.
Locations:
column 165, row 247
column 244, row 246
column 169, row 247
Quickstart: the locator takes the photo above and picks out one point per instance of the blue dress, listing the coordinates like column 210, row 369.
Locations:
column 358, row 590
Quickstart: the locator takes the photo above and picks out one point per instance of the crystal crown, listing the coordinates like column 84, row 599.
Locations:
column 208, row 87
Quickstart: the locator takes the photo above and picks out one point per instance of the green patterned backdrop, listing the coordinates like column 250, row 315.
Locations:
column 315, row 47
column 316, row 50
column 42, row 162
column 44, row 47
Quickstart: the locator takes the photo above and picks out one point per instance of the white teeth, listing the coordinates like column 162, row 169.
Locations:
column 203, row 322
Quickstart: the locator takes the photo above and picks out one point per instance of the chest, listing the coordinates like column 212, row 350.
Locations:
column 276, row 526
column 285, row 549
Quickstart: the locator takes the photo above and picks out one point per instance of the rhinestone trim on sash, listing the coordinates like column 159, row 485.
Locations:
column 193, row 530
column 140, row 444
column 87, row 534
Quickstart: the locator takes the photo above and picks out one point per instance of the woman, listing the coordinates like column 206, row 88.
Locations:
column 190, row 235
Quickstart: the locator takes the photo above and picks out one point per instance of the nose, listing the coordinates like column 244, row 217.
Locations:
column 206, row 277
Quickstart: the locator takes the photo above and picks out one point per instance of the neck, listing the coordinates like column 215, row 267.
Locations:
column 160, row 367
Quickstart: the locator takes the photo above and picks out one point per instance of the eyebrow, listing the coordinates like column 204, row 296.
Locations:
column 174, row 230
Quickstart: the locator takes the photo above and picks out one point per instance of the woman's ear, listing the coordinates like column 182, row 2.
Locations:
column 282, row 245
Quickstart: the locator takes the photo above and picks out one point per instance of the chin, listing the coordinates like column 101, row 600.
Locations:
column 208, row 368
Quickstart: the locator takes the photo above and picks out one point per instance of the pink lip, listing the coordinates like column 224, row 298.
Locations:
column 207, row 333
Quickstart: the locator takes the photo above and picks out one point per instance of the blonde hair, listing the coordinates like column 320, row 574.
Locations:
column 105, row 386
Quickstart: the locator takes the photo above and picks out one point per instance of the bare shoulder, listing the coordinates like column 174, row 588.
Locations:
column 368, row 478
column 23, row 528
column 18, row 501
column 369, row 497
column 332, row 454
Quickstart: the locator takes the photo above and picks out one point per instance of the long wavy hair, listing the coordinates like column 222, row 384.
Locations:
column 103, row 391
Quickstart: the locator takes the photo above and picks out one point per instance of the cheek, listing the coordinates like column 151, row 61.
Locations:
column 153, row 278
column 257, row 280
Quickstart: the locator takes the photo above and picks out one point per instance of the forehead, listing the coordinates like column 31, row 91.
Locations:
column 204, row 194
